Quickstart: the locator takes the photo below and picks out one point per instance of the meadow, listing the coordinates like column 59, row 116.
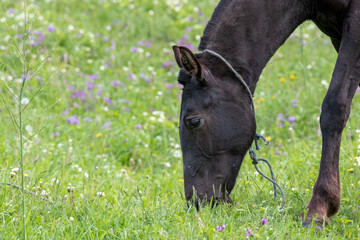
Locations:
column 100, row 111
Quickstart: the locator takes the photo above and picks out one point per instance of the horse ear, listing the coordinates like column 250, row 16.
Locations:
column 187, row 60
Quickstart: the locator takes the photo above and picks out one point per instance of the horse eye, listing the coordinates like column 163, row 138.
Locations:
column 194, row 123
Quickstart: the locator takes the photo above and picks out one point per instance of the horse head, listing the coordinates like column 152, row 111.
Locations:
column 217, row 125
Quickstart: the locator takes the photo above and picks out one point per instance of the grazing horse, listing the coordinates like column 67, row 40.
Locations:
column 217, row 122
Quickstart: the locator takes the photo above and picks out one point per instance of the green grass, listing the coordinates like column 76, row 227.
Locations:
column 139, row 170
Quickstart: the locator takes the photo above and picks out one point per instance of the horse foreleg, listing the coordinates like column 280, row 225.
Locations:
column 325, row 201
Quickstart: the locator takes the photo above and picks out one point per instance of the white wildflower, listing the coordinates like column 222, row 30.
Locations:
column 54, row 180
column 177, row 154
column 29, row 128
column 100, row 194
column 25, row 101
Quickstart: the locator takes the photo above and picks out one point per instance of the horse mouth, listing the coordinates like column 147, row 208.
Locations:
column 213, row 201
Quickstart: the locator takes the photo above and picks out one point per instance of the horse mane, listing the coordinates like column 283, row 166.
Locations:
column 210, row 27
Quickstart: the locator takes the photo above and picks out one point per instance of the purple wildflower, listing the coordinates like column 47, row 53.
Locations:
column 90, row 85
column 319, row 131
column 51, row 29
column 55, row 134
column 10, row 10
column 99, row 92
column 40, row 38
column 108, row 100
column 188, row 29
column 169, row 86
column 294, row 101
column 67, row 111
column 138, row 126
column 249, row 232
column 147, row 44
column 280, row 116
column 181, row 42
column 219, row 228
column 264, row 221
column 291, row 119
column 73, row 120
column 19, row 35
column 191, row 47
column 70, row 88
column 113, row 45
column 78, row 94
column 134, row 49
column 167, row 64
column 140, row 43
column 143, row 76
column 88, row 119
column 115, row 83
column 93, row 76
column 132, row 76
column 358, row 90
column 107, row 124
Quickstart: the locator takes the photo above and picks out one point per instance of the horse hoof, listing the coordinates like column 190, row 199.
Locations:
column 309, row 223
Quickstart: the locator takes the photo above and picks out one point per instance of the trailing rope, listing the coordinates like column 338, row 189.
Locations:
column 257, row 135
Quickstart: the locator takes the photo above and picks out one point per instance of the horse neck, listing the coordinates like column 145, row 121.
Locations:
column 248, row 32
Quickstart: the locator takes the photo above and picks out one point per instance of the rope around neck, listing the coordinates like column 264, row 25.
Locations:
column 257, row 136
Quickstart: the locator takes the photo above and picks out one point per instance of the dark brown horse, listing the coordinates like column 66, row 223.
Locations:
column 217, row 123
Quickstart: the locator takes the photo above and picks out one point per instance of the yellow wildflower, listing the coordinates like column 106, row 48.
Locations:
column 351, row 170
column 268, row 138
column 292, row 77
column 99, row 135
column 181, row 180
column 282, row 79
column 26, row 174
column 260, row 100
